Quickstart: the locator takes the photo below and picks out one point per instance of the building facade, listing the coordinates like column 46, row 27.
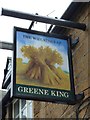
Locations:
column 78, row 12
column 20, row 108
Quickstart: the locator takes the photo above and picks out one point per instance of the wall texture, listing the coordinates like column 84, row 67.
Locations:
column 81, row 65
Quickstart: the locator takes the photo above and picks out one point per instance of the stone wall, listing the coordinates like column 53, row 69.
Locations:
column 81, row 77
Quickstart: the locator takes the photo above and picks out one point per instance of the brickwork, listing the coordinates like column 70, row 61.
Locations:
column 81, row 55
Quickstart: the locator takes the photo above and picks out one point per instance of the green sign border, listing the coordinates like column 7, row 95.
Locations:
column 42, row 97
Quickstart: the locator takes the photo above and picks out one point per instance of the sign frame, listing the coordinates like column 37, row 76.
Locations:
column 46, row 98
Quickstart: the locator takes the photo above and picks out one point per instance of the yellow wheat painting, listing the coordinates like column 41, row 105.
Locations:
column 42, row 61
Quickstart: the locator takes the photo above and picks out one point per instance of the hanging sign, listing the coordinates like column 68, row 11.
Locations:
column 42, row 67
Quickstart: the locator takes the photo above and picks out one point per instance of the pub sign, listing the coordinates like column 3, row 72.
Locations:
column 42, row 67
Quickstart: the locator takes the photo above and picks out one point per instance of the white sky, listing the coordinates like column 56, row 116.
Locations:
column 52, row 8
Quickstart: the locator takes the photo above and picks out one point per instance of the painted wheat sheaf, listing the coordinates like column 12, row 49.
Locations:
column 41, row 65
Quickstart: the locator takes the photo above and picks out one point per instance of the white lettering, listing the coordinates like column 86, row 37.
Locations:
column 53, row 93
column 43, row 92
column 59, row 94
